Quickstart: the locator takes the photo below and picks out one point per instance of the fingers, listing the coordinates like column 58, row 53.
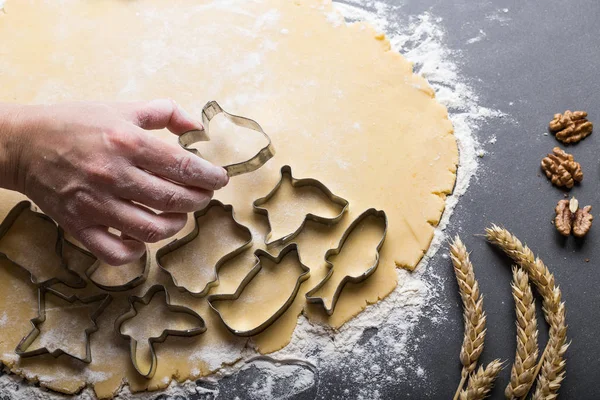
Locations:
column 159, row 114
column 161, row 194
column 172, row 162
column 139, row 222
column 110, row 248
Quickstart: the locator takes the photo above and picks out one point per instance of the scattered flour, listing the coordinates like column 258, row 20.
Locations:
column 389, row 324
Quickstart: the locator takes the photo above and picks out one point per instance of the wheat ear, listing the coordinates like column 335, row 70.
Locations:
column 472, row 310
column 481, row 382
column 523, row 370
column 552, row 364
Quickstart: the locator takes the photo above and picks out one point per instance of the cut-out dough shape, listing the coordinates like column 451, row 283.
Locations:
column 32, row 241
column 292, row 218
column 193, row 261
column 23, row 346
column 119, row 278
column 349, row 238
column 200, row 327
column 265, row 293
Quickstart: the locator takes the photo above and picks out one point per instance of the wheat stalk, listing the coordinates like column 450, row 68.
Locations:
column 552, row 364
column 473, row 314
column 523, row 373
column 481, row 382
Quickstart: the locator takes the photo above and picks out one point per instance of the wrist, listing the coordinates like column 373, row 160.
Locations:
column 12, row 139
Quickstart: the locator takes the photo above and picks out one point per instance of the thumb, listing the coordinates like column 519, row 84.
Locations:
column 161, row 113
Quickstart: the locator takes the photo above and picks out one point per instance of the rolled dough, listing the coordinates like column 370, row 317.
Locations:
column 339, row 106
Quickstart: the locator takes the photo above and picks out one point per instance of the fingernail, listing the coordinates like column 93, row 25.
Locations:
column 225, row 176
column 187, row 116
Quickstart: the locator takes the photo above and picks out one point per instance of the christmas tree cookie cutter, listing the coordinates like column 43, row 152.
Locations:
column 132, row 312
column 371, row 212
column 210, row 110
column 290, row 248
column 11, row 219
column 286, row 173
column 178, row 243
column 27, row 341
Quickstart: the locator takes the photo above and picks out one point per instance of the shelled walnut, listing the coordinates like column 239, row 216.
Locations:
column 562, row 169
column 572, row 219
column 571, row 127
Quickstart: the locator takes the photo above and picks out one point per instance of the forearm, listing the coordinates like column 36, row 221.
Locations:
column 12, row 132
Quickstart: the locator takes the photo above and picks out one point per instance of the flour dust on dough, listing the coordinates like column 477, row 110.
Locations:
column 339, row 105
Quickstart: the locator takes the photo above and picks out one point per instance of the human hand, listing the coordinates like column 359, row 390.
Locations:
column 93, row 166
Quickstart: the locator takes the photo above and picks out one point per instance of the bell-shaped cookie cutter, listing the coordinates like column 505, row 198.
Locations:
column 132, row 283
column 293, row 247
column 27, row 341
column 371, row 212
column 12, row 217
column 176, row 244
column 210, row 110
column 286, row 171
column 132, row 312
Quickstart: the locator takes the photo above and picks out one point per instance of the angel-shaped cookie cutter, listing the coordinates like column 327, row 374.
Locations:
column 11, row 218
column 27, row 341
column 371, row 212
column 286, row 172
column 178, row 243
column 293, row 247
column 210, row 110
column 132, row 312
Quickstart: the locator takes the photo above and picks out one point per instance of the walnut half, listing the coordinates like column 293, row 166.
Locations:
column 562, row 169
column 571, row 127
column 570, row 218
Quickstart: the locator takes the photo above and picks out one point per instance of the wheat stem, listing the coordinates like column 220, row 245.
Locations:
column 552, row 371
column 523, row 371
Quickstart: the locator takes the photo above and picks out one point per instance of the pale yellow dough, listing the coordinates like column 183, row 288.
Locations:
column 338, row 104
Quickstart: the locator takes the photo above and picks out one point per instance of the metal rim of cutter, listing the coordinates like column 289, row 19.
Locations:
column 132, row 312
column 286, row 170
column 354, row 279
column 210, row 110
column 28, row 340
column 293, row 247
column 178, row 243
column 8, row 222
column 136, row 281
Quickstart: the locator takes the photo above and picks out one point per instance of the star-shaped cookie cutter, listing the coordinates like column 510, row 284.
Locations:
column 28, row 340
column 145, row 300
column 371, row 212
column 286, row 172
column 8, row 222
column 178, row 243
column 210, row 110
column 293, row 247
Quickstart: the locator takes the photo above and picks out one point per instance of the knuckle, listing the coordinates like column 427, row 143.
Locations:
column 185, row 168
column 153, row 232
column 173, row 201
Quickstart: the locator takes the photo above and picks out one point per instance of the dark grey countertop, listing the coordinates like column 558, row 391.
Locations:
column 543, row 59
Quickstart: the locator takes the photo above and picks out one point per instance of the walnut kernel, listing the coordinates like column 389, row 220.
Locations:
column 572, row 219
column 571, row 127
column 562, row 169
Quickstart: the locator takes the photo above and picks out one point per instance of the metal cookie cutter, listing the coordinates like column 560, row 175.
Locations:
column 286, row 171
column 12, row 217
column 176, row 244
column 210, row 110
column 277, row 260
column 145, row 300
column 28, row 340
column 132, row 283
column 355, row 279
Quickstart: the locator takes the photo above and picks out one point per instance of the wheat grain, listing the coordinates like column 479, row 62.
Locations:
column 552, row 364
column 522, row 374
column 474, row 316
column 481, row 382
